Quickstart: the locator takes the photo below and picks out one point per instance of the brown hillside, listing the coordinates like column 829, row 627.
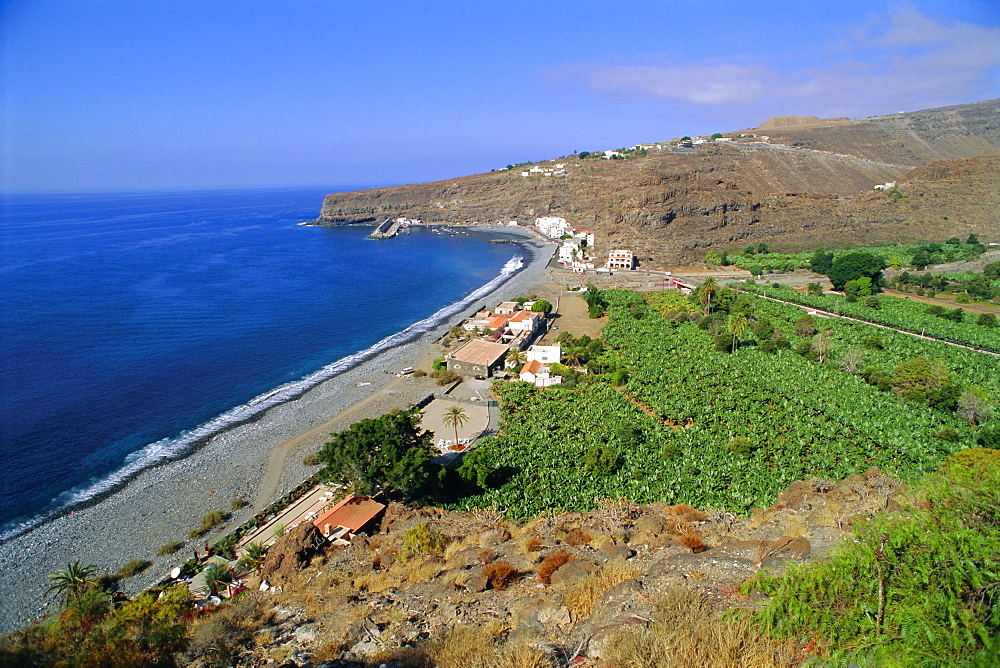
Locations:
column 670, row 208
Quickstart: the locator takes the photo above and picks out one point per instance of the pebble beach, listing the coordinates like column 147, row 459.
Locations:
column 163, row 503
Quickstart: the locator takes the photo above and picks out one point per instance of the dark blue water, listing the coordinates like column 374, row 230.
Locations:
column 132, row 325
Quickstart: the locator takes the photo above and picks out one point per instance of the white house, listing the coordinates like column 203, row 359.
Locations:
column 538, row 374
column 569, row 250
column 886, row 186
column 620, row 259
column 544, row 354
column 584, row 235
column 553, row 226
column 525, row 321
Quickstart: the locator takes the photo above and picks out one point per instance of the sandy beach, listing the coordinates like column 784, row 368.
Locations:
column 257, row 461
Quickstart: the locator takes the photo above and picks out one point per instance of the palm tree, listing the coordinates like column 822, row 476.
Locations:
column 516, row 356
column 72, row 582
column 253, row 559
column 215, row 576
column 455, row 417
column 708, row 288
column 737, row 326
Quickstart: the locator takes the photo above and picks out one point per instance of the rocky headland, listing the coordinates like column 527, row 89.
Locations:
column 807, row 181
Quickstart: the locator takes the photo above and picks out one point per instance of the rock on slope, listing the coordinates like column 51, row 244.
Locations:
column 392, row 596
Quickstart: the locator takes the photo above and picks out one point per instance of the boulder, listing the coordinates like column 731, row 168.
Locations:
column 572, row 570
column 292, row 551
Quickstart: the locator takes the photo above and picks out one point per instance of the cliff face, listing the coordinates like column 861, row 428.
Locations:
column 669, row 208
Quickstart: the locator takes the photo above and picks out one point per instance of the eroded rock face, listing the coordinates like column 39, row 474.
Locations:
column 292, row 552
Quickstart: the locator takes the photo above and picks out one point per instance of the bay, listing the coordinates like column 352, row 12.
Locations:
column 130, row 323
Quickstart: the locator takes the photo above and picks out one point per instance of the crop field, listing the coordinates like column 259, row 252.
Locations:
column 697, row 425
column 896, row 312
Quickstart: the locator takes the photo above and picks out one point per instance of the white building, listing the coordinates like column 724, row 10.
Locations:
column 569, row 251
column 544, row 354
column 538, row 374
column 553, row 226
column 584, row 235
column 525, row 321
column 621, row 259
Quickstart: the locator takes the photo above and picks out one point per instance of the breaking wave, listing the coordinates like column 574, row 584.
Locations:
column 175, row 447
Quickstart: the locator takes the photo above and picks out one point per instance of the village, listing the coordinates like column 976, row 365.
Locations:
column 507, row 342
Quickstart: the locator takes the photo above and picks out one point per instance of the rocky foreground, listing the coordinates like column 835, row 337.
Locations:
column 433, row 587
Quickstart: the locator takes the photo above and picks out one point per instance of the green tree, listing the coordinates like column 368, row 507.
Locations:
column 388, row 452
column 821, row 261
column 705, row 292
column 986, row 320
column 254, row 557
column 853, row 266
column 601, row 459
column 542, row 306
column 454, row 416
column 717, row 135
column 737, row 326
column 516, row 356
column 72, row 582
column 919, row 377
column 973, row 240
column 216, row 576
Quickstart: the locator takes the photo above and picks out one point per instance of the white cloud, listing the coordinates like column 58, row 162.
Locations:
column 904, row 60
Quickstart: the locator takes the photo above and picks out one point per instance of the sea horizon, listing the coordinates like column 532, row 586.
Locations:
column 208, row 281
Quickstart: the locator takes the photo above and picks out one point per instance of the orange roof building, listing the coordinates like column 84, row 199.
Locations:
column 353, row 513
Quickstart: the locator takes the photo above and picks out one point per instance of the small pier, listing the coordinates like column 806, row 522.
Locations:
column 389, row 228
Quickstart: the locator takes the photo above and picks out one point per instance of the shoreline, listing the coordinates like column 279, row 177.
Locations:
column 163, row 502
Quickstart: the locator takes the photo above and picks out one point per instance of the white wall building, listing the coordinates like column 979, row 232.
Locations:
column 553, row 226
column 539, row 375
column 621, row 259
column 569, row 251
column 544, row 354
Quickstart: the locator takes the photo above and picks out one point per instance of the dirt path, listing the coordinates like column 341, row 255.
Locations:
column 574, row 317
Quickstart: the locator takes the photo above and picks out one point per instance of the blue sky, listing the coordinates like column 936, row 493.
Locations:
column 153, row 94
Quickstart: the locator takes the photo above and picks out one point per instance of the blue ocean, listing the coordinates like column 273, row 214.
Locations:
column 133, row 325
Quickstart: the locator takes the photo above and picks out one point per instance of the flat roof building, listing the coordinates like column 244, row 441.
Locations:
column 477, row 358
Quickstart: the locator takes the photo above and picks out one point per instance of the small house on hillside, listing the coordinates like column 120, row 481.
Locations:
column 353, row 514
column 477, row 358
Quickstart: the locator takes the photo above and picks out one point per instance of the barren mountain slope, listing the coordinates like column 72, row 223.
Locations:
column 670, row 207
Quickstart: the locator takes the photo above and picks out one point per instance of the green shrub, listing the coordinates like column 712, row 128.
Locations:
column 237, row 503
column 209, row 522
column 937, row 569
column 133, row 567
column 601, row 459
column 169, row 548
column 421, row 539
column 312, row 459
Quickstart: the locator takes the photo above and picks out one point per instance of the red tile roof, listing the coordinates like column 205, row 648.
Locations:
column 497, row 322
column 531, row 367
column 353, row 513
column 521, row 316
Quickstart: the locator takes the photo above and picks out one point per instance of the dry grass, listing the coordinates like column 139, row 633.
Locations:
column 577, row 537
column 500, row 574
column 532, row 544
column 687, row 630
column 582, row 594
column 551, row 564
column 694, row 542
column 462, row 647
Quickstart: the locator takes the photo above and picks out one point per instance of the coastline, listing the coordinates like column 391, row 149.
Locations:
column 163, row 502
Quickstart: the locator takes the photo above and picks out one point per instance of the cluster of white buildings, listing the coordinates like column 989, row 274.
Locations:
column 559, row 169
column 578, row 244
